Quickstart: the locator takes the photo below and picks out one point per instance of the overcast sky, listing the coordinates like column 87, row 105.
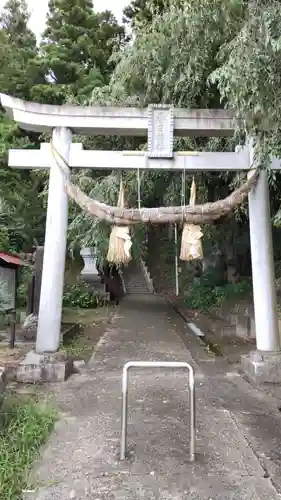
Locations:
column 38, row 9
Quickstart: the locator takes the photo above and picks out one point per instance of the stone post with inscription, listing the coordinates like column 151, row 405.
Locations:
column 160, row 131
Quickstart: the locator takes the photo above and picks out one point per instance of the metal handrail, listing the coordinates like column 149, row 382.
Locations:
column 124, row 415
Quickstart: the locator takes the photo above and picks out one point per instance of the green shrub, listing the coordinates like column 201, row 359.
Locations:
column 204, row 297
column 82, row 296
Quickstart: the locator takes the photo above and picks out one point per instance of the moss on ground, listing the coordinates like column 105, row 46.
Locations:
column 93, row 323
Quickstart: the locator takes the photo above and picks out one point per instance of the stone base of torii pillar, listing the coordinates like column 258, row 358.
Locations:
column 39, row 368
column 262, row 367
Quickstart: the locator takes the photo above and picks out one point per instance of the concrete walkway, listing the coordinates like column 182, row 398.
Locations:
column 238, row 427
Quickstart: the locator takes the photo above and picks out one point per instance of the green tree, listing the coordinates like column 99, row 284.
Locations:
column 18, row 52
column 22, row 217
column 170, row 61
column 248, row 78
column 74, row 58
column 14, row 21
column 249, row 74
column 76, row 49
column 142, row 10
column 172, row 56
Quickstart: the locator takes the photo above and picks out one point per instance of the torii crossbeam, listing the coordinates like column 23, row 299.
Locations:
column 159, row 124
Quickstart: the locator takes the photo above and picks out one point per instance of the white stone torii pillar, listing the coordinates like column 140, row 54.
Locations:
column 160, row 122
column 50, row 309
column 263, row 275
column 263, row 365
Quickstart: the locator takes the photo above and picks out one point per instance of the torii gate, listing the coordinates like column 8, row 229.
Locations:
column 160, row 122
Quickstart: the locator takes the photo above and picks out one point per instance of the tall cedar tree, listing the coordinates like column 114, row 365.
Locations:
column 19, row 65
column 21, row 213
column 76, row 48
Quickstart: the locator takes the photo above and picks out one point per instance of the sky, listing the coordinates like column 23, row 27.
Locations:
column 38, row 9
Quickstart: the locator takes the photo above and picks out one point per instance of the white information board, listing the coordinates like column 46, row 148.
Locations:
column 7, row 288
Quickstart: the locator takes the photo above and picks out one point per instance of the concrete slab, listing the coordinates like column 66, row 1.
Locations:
column 154, row 487
column 81, row 460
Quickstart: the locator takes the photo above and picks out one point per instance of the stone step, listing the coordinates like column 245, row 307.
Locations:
column 143, row 287
column 137, row 288
column 136, row 283
column 135, row 279
column 131, row 287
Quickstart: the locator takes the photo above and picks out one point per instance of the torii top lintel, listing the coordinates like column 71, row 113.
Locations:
column 94, row 120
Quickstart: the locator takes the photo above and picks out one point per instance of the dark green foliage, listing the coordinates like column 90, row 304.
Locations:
column 204, row 297
column 18, row 52
column 83, row 296
column 76, row 49
column 142, row 10
column 22, row 215
column 75, row 54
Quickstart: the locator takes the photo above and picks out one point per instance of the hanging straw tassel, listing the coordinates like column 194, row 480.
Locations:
column 119, row 249
column 191, row 244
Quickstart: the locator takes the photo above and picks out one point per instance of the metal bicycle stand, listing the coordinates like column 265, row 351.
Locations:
column 156, row 364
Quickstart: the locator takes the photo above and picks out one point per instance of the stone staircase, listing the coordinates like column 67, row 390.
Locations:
column 97, row 286
column 137, row 279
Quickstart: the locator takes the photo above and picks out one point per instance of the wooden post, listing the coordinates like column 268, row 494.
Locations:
column 39, row 255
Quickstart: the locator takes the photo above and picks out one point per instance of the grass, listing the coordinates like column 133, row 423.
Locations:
column 24, row 426
column 92, row 326
column 80, row 347
column 87, row 317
